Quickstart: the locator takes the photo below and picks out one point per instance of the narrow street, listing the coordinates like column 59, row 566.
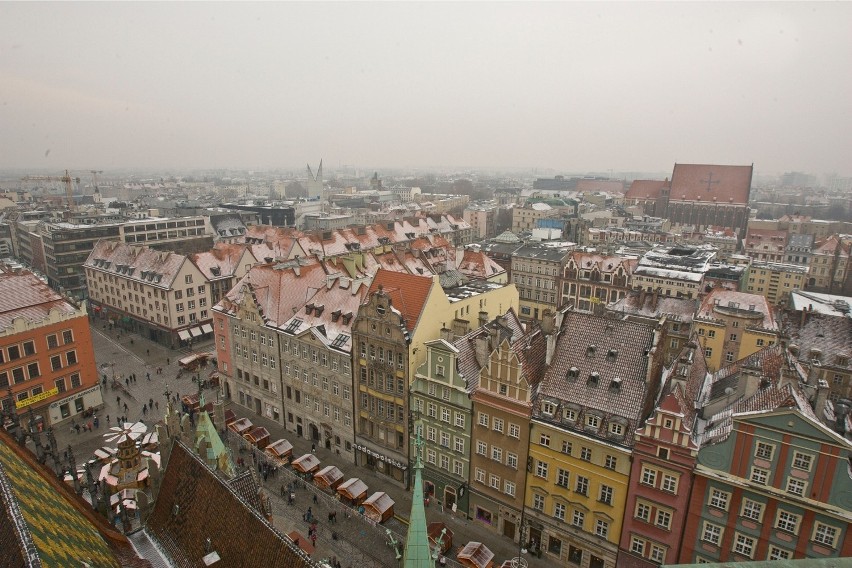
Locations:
column 352, row 540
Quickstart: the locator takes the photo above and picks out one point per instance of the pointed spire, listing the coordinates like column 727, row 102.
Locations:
column 418, row 553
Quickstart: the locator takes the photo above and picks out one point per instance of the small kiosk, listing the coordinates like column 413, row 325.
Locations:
column 308, row 463
column 257, row 436
column 476, row 555
column 352, row 491
column 378, row 507
column 328, row 477
column 241, row 426
column 281, row 451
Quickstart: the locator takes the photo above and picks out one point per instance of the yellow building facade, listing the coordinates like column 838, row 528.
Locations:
column 775, row 281
column 575, row 496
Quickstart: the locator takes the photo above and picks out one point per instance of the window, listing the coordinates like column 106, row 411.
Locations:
column 712, row 533
column 559, row 511
column 764, row 451
column 483, row 419
column 544, row 440
column 759, row 475
column 445, row 414
column 497, row 454
column 52, row 342
column 593, row 421
column 637, row 545
column 494, row 481
column 602, row 528
column 586, row 454
column 514, row 430
column 459, row 420
column 787, row 521
column 439, row 370
column 512, row 460
column 744, row 545
column 445, row 437
column 480, row 475
column 481, row 448
column 802, row 461
column 60, row 385
column 795, row 486
column 669, row 483
column 605, row 495
column 29, row 348
column 566, row 447
column 432, row 410
column 733, row 337
column 649, row 476
column 658, row 553
column 610, row 462
column 664, row 519
column 430, row 456
column 498, row 425
column 616, row 429
column 752, row 509
column 538, row 502
column 458, row 468
column 643, row 512
column 582, row 485
column 825, row 534
column 431, row 434
column 75, row 380
column 541, row 469
column 55, row 363
column 14, row 352
column 719, row 499
column 776, row 553
column 33, row 370
column 509, row 488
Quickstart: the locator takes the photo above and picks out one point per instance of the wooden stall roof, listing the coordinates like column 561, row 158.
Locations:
column 379, row 506
column 306, row 463
column 328, row 476
column 434, row 532
column 280, row 448
column 301, row 541
column 241, row 426
column 476, row 555
column 352, row 488
column 230, row 417
column 256, row 434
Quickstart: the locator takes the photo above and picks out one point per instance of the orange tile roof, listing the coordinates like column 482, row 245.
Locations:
column 727, row 184
column 24, row 295
column 645, row 189
column 408, row 293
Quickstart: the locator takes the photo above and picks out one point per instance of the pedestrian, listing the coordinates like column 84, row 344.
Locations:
column 314, row 539
column 168, row 361
column 282, row 490
column 77, row 428
column 313, row 448
column 107, row 419
column 125, row 407
column 127, row 381
column 148, row 375
column 118, row 400
column 148, row 352
column 316, row 501
column 150, row 403
column 157, row 405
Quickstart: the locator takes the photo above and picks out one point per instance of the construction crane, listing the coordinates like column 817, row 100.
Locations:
column 66, row 179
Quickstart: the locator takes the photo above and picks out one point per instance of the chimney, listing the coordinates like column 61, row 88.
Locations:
column 655, row 298
column 482, row 349
column 483, row 318
column 642, row 298
column 460, row 327
column 447, row 335
column 753, row 381
column 548, row 322
column 821, row 398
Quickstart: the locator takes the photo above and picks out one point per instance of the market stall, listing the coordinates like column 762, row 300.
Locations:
column 308, row 463
column 352, row 491
column 378, row 507
column 280, row 450
column 241, row 426
column 258, row 437
column 328, row 477
column 476, row 555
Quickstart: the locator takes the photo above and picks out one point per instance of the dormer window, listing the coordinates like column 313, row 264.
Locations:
column 335, row 315
column 570, row 414
column 594, row 377
column 573, row 373
column 548, row 408
column 590, row 351
column 617, row 429
column 611, row 355
column 615, row 384
column 593, row 421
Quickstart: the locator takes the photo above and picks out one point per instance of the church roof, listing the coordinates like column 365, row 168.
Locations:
column 195, row 507
column 711, row 183
column 417, row 552
column 33, row 507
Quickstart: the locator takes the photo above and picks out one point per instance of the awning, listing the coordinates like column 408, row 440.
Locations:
column 207, row 328
column 184, row 334
column 196, row 332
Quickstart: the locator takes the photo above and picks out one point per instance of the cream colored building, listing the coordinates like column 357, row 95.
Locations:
column 775, row 280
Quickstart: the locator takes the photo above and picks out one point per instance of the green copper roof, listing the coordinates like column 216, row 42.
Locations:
column 61, row 534
column 417, row 551
column 217, row 451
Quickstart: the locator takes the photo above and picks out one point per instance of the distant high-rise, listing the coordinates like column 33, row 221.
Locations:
column 314, row 185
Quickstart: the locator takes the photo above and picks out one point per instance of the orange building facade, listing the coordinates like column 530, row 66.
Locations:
column 47, row 361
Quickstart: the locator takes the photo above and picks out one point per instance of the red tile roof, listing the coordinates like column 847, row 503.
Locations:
column 408, row 293
column 727, row 184
column 24, row 295
column 645, row 189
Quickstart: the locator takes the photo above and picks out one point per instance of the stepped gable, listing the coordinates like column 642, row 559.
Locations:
column 43, row 523
column 195, row 507
column 585, row 343
column 508, row 327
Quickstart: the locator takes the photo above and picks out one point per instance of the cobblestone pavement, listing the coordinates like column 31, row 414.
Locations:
column 357, row 544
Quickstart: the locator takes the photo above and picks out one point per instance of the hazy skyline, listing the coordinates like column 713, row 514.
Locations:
column 567, row 86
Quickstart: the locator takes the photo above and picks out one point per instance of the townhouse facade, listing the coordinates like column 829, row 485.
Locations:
column 591, row 281
column 602, row 378
column 775, row 281
column 47, row 363
column 536, row 270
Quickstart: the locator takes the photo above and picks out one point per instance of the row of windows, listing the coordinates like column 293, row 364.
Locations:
column 60, row 385
column 801, row 460
column 433, row 410
column 381, row 381
column 494, row 482
column 28, row 348
column 659, row 479
column 648, row 549
column 484, row 419
column 497, row 454
column 382, row 409
column 443, row 461
column 648, row 512
column 578, row 517
column 822, row 534
column 263, row 358
column 33, row 370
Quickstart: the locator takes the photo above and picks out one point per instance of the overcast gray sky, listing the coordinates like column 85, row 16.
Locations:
column 569, row 86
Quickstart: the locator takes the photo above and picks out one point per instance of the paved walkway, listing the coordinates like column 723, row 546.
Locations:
column 125, row 354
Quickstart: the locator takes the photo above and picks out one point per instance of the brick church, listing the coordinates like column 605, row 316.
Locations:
column 703, row 195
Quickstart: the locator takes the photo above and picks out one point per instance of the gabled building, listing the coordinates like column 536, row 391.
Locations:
column 771, row 481
column 510, row 360
column 591, row 281
column 829, row 265
column 440, row 396
column 602, row 380
column 664, row 457
column 733, row 325
column 765, row 245
column 401, row 313
column 821, row 345
column 536, row 271
column 316, row 356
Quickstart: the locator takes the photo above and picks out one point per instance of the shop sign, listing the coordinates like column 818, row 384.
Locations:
column 76, row 395
column 37, row 398
column 381, row 457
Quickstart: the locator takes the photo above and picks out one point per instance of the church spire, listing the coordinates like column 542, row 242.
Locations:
column 417, row 551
